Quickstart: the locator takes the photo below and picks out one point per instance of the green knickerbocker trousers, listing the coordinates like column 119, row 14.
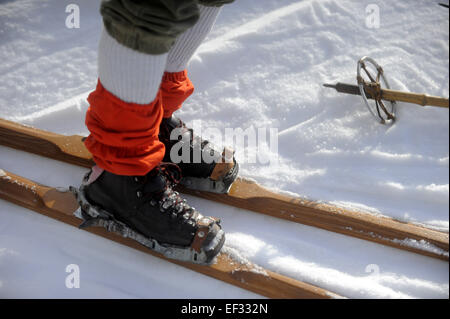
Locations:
column 151, row 26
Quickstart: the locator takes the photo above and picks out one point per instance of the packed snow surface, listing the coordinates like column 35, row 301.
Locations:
column 262, row 66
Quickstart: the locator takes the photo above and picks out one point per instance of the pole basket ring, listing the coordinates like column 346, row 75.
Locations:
column 370, row 88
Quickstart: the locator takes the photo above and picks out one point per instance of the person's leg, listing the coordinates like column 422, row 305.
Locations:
column 188, row 42
column 176, row 86
column 215, row 174
column 130, row 190
column 125, row 110
column 132, row 76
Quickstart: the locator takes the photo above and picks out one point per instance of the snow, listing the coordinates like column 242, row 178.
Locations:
column 262, row 67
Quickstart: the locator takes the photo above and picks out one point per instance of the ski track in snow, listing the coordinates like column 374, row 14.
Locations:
column 260, row 67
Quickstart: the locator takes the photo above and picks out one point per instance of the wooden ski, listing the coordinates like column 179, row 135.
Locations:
column 248, row 195
column 61, row 205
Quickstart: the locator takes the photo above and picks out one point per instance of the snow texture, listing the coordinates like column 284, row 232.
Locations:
column 262, row 66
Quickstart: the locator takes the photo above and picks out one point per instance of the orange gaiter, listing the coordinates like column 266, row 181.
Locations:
column 124, row 136
column 175, row 89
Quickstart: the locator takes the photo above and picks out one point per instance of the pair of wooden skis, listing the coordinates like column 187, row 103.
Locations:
column 244, row 194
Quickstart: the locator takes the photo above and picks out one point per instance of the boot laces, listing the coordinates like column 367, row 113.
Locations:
column 168, row 200
column 172, row 173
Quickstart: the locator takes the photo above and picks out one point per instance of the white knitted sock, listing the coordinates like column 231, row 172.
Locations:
column 132, row 76
column 186, row 44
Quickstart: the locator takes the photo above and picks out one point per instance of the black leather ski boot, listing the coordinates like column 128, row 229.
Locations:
column 213, row 175
column 147, row 209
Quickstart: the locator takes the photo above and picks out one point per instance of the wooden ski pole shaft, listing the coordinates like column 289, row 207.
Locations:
column 416, row 98
column 393, row 95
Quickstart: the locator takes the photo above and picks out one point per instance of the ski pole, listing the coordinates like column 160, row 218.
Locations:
column 370, row 87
